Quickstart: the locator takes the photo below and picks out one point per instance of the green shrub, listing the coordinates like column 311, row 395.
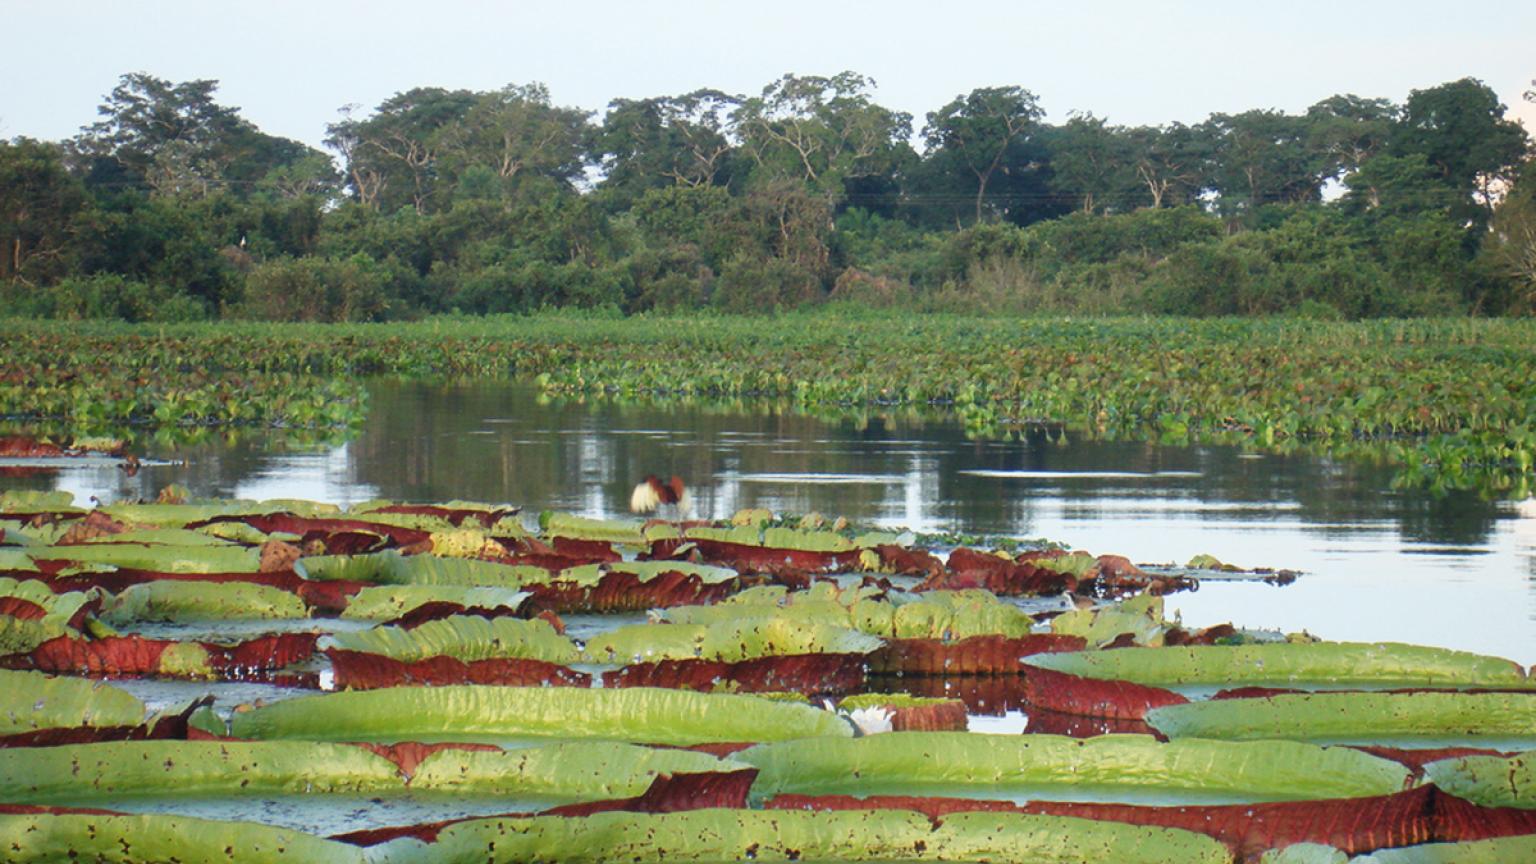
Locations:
column 317, row 289
column 106, row 295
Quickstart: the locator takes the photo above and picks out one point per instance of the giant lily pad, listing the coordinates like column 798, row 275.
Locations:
column 1500, row 850
column 495, row 713
column 465, row 637
column 572, row 770
column 32, row 700
column 392, row 568
column 1293, row 664
column 1491, row 781
column 173, row 600
column 102, row 771
column 170, row 559
column 582, row 528
column 48, row 837
column 645, row 571
column 1354, row 718
column 734, row 835
column 388, row 602
column 1112, row 767
column 727, row 641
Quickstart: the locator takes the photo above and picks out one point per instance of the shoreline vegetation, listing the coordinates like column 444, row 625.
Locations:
column 173, row 207
column 1447, row 400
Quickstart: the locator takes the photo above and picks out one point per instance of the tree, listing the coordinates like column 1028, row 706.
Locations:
column 987, row 133
column 392, row 155
column 820, row 131
column 1398, row 186
column 174, row 139
column 519, row 135
column 1171, row 162
column 670, row 140
column 1262, row 157
column 1348, row 130
column 38, row 205
column 147, row 120
column 1461, row 131
column 1511, row 244
column 1093, row 163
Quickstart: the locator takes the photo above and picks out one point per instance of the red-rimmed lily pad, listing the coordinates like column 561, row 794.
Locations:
column 811, row 674
column 629, row 592
column 977, row 655
column 1092, row 697
column 131, row 656
column 356, row 670
column 969, row 568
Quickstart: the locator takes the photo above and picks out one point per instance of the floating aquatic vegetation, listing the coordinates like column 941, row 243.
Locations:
column 1295, row 664
column 1112, row 765
column 1353, row 717
column 641, row 714
column 465, row 657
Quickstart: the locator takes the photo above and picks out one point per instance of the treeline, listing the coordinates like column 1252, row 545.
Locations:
column 174, row 207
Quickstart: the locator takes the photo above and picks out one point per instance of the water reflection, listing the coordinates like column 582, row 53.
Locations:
column 1452, row 570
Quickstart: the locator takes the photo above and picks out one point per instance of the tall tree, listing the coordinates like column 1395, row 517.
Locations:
column 175, row 139
column 1461, row 131
column 1347, row 130
column 518, row 134
column 1172, row 162
column 1263, row 157
column 820, row 131
column 1093, row 164
column 987, row 133
column 668, row 140
column 392, row 154
column 38, row 204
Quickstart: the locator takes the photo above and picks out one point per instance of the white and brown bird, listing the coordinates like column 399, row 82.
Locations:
column 652, row 493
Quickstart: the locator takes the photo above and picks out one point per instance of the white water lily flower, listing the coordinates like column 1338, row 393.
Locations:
column 871, row 720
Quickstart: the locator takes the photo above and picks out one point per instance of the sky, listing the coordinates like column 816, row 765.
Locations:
column 289, row 66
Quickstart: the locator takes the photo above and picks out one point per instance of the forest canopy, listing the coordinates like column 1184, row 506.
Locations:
column 172, row 206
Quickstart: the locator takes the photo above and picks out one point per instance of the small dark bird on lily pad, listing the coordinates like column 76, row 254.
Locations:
column 652, row 493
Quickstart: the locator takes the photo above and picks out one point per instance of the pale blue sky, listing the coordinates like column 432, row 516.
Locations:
column 290, row 65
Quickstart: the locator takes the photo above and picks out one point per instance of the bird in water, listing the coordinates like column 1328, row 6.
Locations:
column 653, row 494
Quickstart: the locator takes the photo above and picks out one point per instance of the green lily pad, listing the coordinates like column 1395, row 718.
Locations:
column 32, row 700
column 460, row 713
column 466, row 637
column 1112, row 767
column 1354, row 718
column 1290, row 664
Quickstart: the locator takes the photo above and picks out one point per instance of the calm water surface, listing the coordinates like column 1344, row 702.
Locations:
column 1379, row 564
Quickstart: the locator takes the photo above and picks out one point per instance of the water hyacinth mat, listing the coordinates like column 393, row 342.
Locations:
column 290, row 681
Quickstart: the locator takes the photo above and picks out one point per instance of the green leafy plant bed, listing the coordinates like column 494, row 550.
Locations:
column 1447, row 399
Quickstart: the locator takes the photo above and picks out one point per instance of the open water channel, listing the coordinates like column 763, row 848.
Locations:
column 1378, row 564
